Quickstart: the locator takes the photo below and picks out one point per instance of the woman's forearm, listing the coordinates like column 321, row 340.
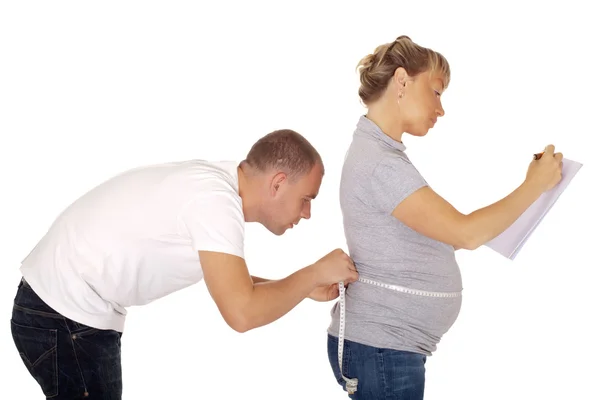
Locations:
column 486, row 223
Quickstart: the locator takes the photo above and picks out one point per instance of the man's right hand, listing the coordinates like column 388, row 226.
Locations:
column 335, row 267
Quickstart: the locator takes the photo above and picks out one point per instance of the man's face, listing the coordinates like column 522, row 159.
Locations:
column 290, row 201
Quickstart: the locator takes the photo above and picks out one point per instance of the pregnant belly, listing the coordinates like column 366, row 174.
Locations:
column 419, row 320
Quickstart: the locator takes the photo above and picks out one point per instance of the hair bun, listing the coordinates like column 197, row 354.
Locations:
column 378, row 68
column 366, row 63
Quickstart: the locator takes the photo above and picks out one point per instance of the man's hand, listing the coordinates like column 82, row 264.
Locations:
column 246, row 304
column 335, row 267
column 325, row 293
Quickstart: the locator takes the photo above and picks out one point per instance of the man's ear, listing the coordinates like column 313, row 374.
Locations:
column 276, row 182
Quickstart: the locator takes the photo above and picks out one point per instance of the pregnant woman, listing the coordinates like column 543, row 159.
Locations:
column 401, row 234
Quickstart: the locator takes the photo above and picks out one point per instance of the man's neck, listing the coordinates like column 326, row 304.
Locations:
column 249, row 201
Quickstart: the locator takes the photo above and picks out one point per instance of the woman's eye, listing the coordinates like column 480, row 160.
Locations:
column 437, row 93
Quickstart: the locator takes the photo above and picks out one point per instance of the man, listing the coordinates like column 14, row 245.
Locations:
column 151, row 231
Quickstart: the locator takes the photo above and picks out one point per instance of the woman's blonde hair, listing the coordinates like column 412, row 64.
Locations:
column 378, row 68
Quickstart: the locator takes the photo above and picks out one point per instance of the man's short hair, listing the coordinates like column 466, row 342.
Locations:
column 284, row 150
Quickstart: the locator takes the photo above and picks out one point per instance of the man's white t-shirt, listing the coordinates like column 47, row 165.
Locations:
column 135, row 238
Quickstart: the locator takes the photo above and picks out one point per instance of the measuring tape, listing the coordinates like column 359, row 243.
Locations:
column 352, row 383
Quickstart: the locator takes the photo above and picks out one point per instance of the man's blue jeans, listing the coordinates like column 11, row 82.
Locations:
column 383, row 374
column 67, row 359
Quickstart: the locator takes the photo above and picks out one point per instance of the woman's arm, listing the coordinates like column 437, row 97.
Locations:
column 429, row 214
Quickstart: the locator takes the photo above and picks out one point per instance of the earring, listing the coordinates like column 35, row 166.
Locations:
column 401, row 93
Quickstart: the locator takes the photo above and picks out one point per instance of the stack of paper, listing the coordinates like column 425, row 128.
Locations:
column 510, row 242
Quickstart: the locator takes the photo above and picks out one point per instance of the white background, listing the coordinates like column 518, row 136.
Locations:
column 88, row 90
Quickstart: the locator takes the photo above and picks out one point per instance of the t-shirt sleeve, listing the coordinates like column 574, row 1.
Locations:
column 215, row 222
column 392, row 181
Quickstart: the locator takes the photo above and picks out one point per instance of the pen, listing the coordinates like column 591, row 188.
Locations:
column 538, row 156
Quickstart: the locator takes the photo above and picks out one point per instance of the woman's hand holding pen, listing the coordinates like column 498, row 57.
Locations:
column 545, row 171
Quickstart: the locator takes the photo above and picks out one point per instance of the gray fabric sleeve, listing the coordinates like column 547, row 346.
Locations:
column 392, row 181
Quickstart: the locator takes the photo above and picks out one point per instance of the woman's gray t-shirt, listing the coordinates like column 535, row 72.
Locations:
column 377, row 175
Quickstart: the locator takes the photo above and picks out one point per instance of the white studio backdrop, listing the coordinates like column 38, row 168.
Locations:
column 88, row 90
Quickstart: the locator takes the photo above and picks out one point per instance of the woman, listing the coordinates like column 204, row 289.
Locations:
column 401, row 234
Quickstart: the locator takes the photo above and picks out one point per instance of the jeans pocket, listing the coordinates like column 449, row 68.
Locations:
column 83, row 331
column 38, row 350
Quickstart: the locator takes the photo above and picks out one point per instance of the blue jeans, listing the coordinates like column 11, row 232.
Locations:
column 383, row 374
column 67, row 359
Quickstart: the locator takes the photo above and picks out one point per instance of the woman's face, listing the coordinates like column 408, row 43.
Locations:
column 420, row 103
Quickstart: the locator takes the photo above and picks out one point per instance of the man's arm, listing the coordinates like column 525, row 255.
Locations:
column 245, row 305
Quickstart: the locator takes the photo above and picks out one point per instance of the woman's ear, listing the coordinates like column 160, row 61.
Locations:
column 400, row 77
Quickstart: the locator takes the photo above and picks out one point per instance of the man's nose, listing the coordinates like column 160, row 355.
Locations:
column 306, row 211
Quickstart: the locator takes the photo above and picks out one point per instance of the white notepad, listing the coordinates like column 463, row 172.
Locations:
column 510, row 242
